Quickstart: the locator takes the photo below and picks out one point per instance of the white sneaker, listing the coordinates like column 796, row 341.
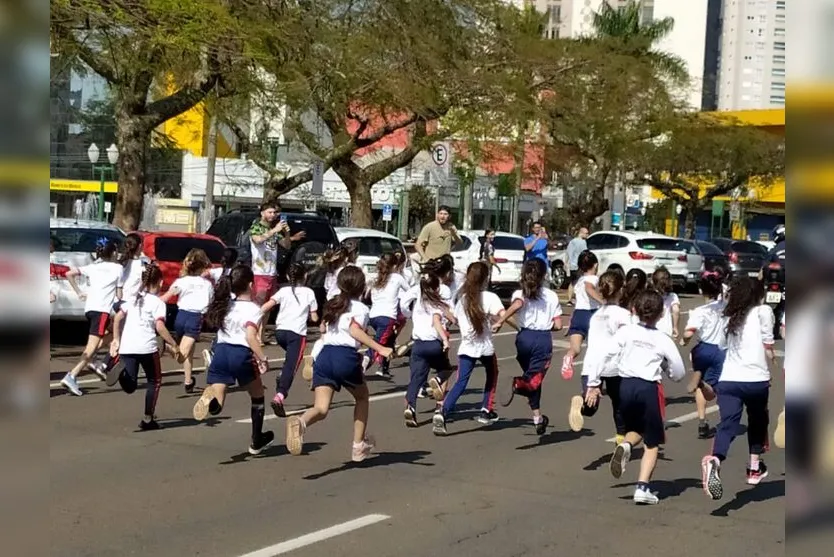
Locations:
column 71, row 385
column 99, row 369
column 645, row 497
column 362, row 450
column 620, row 458
column 575, row 417
column 713, row 487
column 207, row 358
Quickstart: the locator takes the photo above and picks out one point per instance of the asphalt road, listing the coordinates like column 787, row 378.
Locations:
column 498, row 491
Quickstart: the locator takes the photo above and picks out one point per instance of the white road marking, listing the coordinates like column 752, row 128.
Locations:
column 318, row 536
column 680, row 419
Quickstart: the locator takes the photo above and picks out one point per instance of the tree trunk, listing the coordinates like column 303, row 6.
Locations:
column 689, row 211
column 132, row 139
column 360, row 204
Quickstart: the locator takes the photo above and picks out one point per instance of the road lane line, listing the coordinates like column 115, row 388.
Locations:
column 680, row 419
column 318, row 536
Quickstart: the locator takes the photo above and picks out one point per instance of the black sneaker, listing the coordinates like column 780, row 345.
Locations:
column 487, row 417
column 541, row 427
column 149, row 426
column 189, row 387
column 703, row 431
column 278, row 406
column 438, row 424
column 410, row 417
column 266, row 439
column 114, row 373
column 754, row 477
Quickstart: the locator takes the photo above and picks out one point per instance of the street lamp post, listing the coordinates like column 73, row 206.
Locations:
column 112, row 158
column 492, row 193
column 678, row 210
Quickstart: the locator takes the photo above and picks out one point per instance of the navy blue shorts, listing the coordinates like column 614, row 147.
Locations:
column 580, row 321
column 337, row 367
column 709, row 360
column 231, row 364
column 188, row 324
column 643, row 408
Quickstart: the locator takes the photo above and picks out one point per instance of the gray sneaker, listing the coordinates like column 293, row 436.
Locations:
column 645, row 497
column 438, row 424
column 71, row 385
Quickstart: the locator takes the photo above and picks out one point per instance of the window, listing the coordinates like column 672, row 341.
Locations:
column 777, row 99
column 82, row 239
column 778, row 58
column 777, row 72
column 660, row 244
column 688, row 247
column 749, row 247
column 709, row 249
column 777, row 86
column 780, row 4
column 779, row 32
column 508, row 243
column 603, row 241
column 463, row 246
column 168, row 248
column 375, row 247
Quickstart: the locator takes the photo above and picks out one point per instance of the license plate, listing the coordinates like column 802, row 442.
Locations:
column 754, row 274
column 773, row 297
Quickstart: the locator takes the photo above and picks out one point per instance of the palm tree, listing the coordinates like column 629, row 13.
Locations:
column 623, row 25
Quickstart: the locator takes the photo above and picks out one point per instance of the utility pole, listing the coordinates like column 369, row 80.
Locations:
column 211, row 152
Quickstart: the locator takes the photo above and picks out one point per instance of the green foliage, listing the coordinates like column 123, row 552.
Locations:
column 420, row 204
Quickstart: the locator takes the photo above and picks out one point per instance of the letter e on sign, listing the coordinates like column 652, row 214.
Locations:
column 439, row 154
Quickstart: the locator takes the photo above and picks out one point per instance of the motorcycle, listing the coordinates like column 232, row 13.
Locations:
column 774, row 281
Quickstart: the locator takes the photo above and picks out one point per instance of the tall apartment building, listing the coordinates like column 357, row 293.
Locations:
column 752, row 55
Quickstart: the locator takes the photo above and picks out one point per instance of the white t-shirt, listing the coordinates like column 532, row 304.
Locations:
column 583, row 300
column 331, row 281
column 216, row 273
column 242, row 314
column 603, row 326
column 422, row 319
column 193, row 293
column 385, row 301
column 103, row 277
column 139, row 332
column 131, row 280
column 665, row 323
column 472, row 344
column 338, row 334
column 458, row 278
column 413, row 293
column 638, row 351
column 709, row 322
column 538, row 315
column 294, row 307
column 746, row 361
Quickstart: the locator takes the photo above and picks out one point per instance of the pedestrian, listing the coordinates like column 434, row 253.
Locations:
column 193, row 291
column 335, row 262
column 136, row 325
column 536, row 244
column 537, row 312
column 437, row 237
column 636, row 281
column 134, row 265
column 487, row 251
column 431, row 345
column 576, row 246
column 238, row 357
column 296, row 305
column 475, row 312
column 670, row 322
column 226, row 263
column 641, row 353
column 588, row 300
column 385, row 294
column 340, row 365
column 266, row 235
column 744, row 383
column 710, row 325
column 103, row 277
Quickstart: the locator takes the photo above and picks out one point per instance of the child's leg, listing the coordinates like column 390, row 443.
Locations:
column 187, row 351
column 93, row 343
column 758, row 421
column 647, row 464
column 128, row 380
column 323, row 396
column 575, row 345
column 491, row 367
column 419, row 364
column 700, row 405
column 729, row 407
column 579, row 409
column 294, row 346
column 612, row 388
column 153, row 372
column 360, row 412
column 465, row 367
column 256, row 394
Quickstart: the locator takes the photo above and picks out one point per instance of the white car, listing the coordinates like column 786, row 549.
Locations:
column 73, row 244
column 509, row 255
column 372, row 244
column 640, row 250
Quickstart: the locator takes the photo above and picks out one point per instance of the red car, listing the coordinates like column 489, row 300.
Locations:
column 168, row 249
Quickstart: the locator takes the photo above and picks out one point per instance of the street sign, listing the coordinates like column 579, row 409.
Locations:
column 616, row 219
column 107, row 207
column 318, row 178
column 387, row 212
column 735, row 212
column 717, row 208
column 439, row 154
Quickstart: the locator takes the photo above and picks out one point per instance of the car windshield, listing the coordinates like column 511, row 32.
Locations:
column 664, row 244
column 81, row 239
column 507, row 243
column 175, row 249
column 709, row 249
column 375, row 247
column 749, row 247
column 314, row 230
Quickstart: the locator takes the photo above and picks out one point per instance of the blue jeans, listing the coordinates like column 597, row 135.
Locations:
column 733, row 397
column 465, row 366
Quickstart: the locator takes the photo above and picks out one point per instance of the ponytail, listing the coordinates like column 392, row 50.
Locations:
column 131, row 248
column 151, row 276
column 296, row 274
column 237, row 282
column 477, row 276
column 430, row 291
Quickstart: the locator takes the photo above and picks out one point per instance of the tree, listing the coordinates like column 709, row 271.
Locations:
column 700, row 159
column 160, row 58
column 421, row 203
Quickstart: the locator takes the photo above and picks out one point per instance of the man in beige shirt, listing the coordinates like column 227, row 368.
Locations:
column 437, row 237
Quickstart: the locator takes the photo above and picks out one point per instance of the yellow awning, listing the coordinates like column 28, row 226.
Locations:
column 82, row 186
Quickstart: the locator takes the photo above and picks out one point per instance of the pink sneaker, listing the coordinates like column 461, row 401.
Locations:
column 362, row 450
column 567, row 367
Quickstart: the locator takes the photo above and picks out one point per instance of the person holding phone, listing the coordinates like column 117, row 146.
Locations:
column 535, row 245
column 265, row 236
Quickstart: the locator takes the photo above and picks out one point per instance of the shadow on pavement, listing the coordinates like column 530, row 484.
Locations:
column 276, row 450
column 501, row 424
column 757, row 494
column 556, row 437
column 175, row 423
column 665, row 488
column 379, row 459
column 670, row 400
column 636, row 454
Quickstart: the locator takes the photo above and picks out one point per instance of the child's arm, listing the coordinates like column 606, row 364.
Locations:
column 162, row 331
column 517, row 304
column 268, row 305
column 676, row 368
column 254, row 342
column 676, row 319
column 359, row 334
column 173, row 291
column 314, row 316
column 71, row 274
column 437, row 322
column 767, row 322
column 593, row 292
column 557, row 323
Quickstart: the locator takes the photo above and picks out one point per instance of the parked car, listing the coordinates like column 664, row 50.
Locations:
column 509, row 255
column 372, row 244
column 702, row 256
column 744, row 256
column 640, row 250
column 168, row 249
column 73, row 245
column 557, row 255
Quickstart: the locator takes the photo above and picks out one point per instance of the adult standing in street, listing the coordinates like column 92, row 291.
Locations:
column 576, row 246
column 535, row 245
column 437, row 237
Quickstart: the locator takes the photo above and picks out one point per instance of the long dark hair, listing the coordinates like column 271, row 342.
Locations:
column 131, row 248
column 533, row 273
column 351, row 285
column 635, row 282
column 239, row 281
column 662, row 280
column 648, row 307
column 229, row 259
column 611, row 285
column 711, row 283
column 151, row 276
column 477, row 276
column 386, row 265
column 106, row 249
column 430, row 291
column 587, row 260
column 296, row 274
column 745, row 294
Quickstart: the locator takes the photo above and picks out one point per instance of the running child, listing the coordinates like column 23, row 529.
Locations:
column 296, row 305
column 475, row 312
column 103, row 278
column 340, row 365
column 135, row 327
column 636, row 281
column 194, row 292
column 710, row 324
column 597, row 378
column 238, row 355
column 227, row 262
column 744, row 383
column 588, row 301
column 537, row 312
column 641, row 353
column 670, row 322
column 335, row 262
column 130, row 283
column 385, row 310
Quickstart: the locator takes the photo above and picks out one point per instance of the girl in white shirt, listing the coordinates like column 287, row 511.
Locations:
column 296, row 305
column 194, row 293
column 103, row 278
column 642, row 354
column 635, row 282
column 385, row 293
column 238, row 355
column 335, row 262
column 670, row 321
column 537, row 312
column 137, row 323
column 604, row 326
column 340, row 365
column 475, row 312
column 744, row 383
column 710, row 324
column 588, row 301
column 134, row 266
column 227, row 262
